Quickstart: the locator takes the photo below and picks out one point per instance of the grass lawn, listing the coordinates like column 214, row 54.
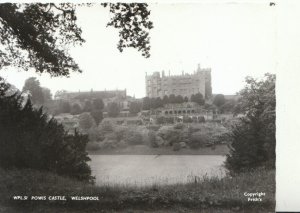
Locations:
column 205, row 195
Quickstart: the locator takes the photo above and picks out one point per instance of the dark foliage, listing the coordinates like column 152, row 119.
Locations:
column 29, row 139
column 113, row 109
column 133, row 23
column 40, row 35
column 219, row 100
column 97, row 115
column 135, row 107
column 76, row 109
column 253, row 139
column 32, row 85
column 98, row 104
column 198, row 98
column 87, row 106
column 64, row 107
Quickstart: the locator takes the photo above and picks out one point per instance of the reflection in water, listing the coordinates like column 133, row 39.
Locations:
column 143, row 170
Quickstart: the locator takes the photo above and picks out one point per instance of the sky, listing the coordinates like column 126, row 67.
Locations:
column 235, row 40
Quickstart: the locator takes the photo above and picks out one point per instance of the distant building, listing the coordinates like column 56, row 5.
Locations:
column 184, row 85
column 105, row 94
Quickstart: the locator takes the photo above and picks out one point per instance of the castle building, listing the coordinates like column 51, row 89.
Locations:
column 184, row 84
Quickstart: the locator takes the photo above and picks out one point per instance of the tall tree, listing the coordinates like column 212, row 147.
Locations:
column 198, row 98
column 113, row 109
column 219, row 100
column 253, row 138
column 88, row 107
column 40, row 35
column 146, row 103
column 76, row 109
column 32, row 85
column 86, row 121
column 179, row 99
column 98, row 104
column 165, row 99
column 47, row 94
column 172, row 99
column 135, row 107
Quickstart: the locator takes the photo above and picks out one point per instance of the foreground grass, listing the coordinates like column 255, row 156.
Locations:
column 205, row 195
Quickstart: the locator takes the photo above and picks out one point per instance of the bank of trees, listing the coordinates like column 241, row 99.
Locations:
column 30, row 139
column 154, row 103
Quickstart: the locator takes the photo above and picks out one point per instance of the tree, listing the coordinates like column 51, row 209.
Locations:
column 198, row 98
column 97, row 115
column 30, row 139
column 165, row 99
column 76, row 109
column 219, row 100
column 32, row 85
column 186, row 99
column 172, row 99
column 87, row 106
column 64, row 107
column 98, row 104
column 146, row 103
column 40, row 35
column 135, row 107
column 253, row 138
column 86, row 121
column 113, row 109
column 179, row 99
column 228, row 106
column 47, row 94
column 157, row 102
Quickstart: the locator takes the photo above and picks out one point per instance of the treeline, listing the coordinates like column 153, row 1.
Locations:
column 154, row 103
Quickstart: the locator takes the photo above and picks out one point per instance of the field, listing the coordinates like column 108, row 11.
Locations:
column 205, row 195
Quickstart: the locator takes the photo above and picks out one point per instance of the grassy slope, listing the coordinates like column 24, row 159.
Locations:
column 208, row 195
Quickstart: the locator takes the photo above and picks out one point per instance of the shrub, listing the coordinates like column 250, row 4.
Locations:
column 94, row 134
column 176, row 147
column 133, row 138
column 179, row 126
column 187, row 119
column 170, row 135
column 29, row 139
column 76, row 109
column 119, row 132
column 97, row 115
column 153, row 127
column 198, row 139
column 201, row 119
column 93, row 146
column 86, row 121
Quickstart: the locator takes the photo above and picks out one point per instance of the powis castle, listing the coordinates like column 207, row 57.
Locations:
column 185, row 85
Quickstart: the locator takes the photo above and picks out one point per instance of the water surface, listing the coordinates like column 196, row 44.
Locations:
column 142, row 170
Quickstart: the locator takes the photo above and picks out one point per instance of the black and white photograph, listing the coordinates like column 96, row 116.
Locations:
column 164, row 107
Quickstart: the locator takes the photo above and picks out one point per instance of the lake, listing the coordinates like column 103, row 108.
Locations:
column 145, row 170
